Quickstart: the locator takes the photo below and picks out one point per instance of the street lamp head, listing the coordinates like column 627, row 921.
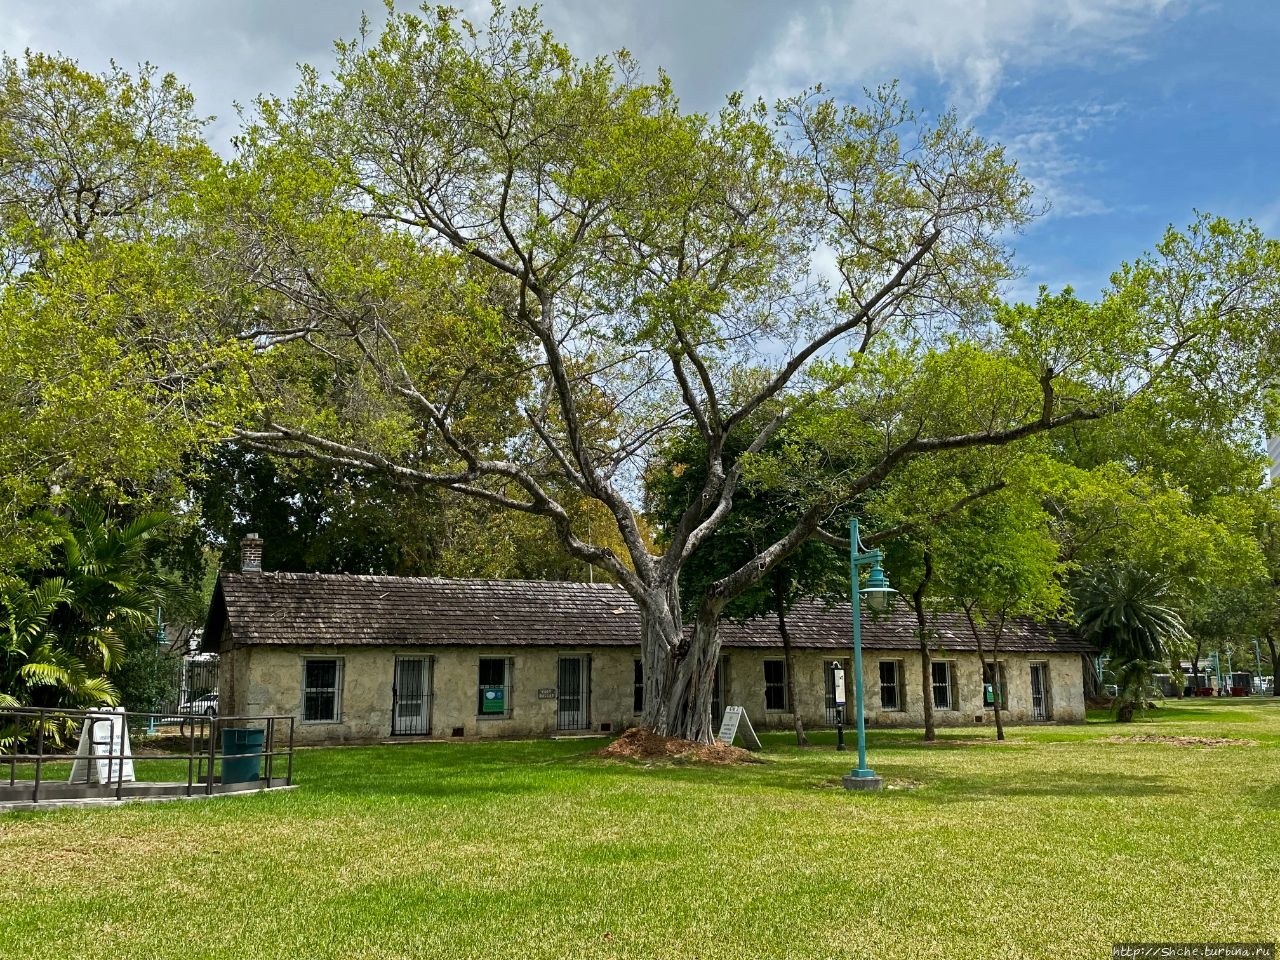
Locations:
column 877, row 593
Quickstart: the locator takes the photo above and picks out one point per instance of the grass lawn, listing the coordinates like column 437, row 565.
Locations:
column 1054, row 845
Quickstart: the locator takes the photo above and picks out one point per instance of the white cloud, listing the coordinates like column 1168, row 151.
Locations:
column 968, row 46
column 1047, row 146
column 233, row 50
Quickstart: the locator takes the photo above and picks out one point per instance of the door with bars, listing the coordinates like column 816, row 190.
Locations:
column 411, row 697
column 1040, row 709
column 574, row 692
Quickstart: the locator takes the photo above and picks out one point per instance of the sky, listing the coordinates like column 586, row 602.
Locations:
column 1127, row 115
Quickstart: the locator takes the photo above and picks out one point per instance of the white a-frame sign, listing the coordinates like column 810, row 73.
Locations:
column 103, row 736
column 735, row 722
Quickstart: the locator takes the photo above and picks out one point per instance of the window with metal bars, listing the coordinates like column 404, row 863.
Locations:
column 944, row 693
column 891, row 692
column 322, row 690
column 494, row 694
column 775, row 685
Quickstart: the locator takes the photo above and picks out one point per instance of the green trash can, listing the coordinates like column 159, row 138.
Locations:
column 242, row 754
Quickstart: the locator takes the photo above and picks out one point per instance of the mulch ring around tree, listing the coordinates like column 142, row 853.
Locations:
column 1184, row 741
column 641, row 743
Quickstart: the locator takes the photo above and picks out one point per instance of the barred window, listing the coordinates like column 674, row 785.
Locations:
column 322, row 690
column 891, row 692
column 775, row 685
column 494, row 694
column 943, row 675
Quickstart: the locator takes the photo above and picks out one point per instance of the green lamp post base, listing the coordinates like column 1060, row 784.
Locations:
column 862, row 780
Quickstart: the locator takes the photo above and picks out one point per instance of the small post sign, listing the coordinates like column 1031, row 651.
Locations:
column 735, row 722
column 837, row 673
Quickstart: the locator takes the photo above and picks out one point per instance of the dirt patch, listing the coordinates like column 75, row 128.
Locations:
column 1184, row 741
column 641, row 743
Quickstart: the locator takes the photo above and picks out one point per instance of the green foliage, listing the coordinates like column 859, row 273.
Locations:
column 105, row 381
column 145, row 677
column 999, row 558
column 1126, row 612
column 314, row 517
column 764, row 512
column 68, row 626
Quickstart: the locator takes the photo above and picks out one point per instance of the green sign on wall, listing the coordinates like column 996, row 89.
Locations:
column 493, row 700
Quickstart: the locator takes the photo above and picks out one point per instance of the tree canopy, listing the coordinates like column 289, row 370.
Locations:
column 471, row 262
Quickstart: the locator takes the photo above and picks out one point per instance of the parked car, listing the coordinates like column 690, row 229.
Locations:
column 206, row 705
column 203, row 706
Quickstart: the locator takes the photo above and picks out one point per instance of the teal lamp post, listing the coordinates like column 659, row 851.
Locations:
column 879, row 595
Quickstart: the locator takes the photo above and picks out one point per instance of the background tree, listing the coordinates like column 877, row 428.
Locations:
column 71, row 625
column 105, row 382
column 1002, row 561
column 1125, row 611
column 915, row 508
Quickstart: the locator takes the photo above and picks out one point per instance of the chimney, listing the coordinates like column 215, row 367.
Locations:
column 251, row 554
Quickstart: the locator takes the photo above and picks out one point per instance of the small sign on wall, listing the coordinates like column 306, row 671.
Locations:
column 837, row 673
column 493, row 700
column 546, row 693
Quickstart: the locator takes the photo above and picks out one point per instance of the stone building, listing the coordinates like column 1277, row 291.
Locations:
column 359, row 658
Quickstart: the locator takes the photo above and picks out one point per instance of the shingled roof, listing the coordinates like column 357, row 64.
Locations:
column 344, row 609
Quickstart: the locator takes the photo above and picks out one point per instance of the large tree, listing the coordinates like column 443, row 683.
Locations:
column 106, row 375
column 762, row 513
column 477, row 263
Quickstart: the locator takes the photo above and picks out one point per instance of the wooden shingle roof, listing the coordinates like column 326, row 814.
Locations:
column 345, row 609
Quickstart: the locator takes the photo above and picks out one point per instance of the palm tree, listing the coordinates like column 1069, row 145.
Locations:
column 115, row 590
column 1124, row 610
column 35, row 670
column 64, row 635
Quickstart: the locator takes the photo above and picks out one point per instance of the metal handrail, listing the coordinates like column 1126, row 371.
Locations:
column 199, row 778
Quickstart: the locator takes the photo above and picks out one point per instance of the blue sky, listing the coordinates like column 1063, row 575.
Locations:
column 1128, row 115
column 1124, row 147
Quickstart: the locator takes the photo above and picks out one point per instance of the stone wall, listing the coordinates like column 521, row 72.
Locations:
column 268, row 680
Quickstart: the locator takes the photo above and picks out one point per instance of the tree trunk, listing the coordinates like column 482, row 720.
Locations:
column 1195, row 671
column 996, row 687
column 995, row 670
column 679, row 670
column 779, row 597
column 926, row 659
